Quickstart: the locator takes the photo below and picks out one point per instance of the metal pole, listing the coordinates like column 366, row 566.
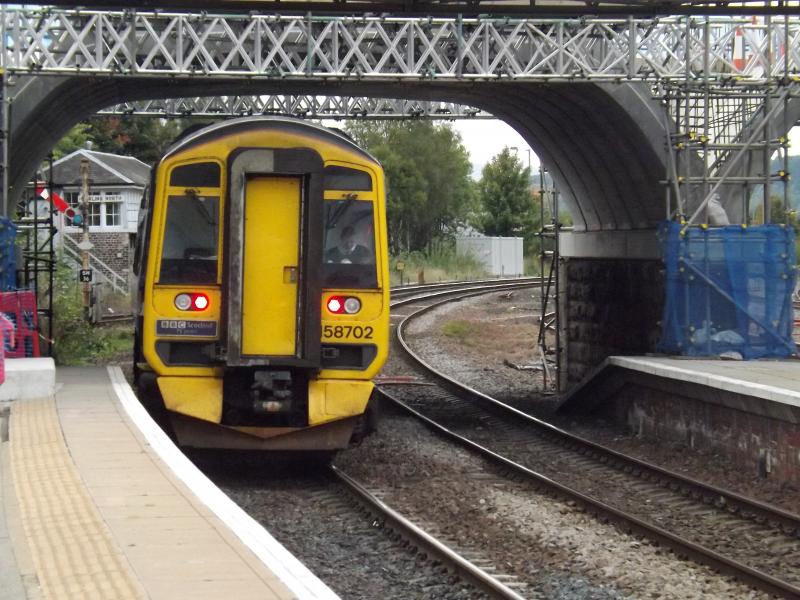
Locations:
column 767, row 129
column 85, row 244
column 51, row 258
column 557, row 322
column 6, row 108
column 36, row 246
column 784, row 140
column 706, row 103
column 543, row 302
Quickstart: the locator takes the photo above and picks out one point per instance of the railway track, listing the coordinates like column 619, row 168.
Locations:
column 390, row 556
column 434, row 548
column 429, row 291
column 751, row 540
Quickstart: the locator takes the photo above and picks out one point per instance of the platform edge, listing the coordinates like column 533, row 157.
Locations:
column 288, row 568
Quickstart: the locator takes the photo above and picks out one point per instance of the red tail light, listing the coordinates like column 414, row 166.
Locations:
column 192, row 302
column 200, row 301
column 336, row 305
column 343, row 305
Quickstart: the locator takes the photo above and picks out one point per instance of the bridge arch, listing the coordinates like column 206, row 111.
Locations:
column 602, row 143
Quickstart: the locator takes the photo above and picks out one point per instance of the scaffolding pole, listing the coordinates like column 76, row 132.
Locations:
column 548, row 268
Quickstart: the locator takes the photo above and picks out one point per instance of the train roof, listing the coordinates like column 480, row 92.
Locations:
column 245, row 123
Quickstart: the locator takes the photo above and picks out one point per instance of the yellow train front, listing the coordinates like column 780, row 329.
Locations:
column 263, row 286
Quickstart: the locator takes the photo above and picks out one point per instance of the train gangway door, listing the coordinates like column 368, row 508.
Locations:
column 271, row 251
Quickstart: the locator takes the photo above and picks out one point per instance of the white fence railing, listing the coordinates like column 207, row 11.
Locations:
column 118, row 283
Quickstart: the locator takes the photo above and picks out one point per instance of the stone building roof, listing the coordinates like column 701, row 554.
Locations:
column 104, row 170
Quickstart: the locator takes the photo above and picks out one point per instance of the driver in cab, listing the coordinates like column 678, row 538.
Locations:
column 348, row 251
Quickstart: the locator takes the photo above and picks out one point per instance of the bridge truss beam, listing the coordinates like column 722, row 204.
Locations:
column 87, row 42
column 301, row 106
column 551, row 8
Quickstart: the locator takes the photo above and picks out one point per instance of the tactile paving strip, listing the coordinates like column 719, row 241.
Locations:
column 74, row 554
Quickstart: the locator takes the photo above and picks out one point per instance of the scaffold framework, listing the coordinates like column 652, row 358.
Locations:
column 724, row 140
column 549, row 219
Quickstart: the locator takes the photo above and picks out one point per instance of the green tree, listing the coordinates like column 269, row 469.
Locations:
column 144, row 138
column 429, row 189
column 778, row 213
column 76, row 138
column 506, row 201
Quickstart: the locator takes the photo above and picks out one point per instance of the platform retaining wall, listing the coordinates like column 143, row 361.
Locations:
column 607, row 307
column 754, row 436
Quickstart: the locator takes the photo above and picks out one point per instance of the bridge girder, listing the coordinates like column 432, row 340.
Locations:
column 552, row 8
column 207, row 45
column 300, row 106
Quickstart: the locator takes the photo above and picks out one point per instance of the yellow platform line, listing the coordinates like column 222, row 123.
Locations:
column 72, row 550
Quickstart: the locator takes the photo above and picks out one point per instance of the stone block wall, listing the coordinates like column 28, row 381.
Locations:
column 607, row 307
column 757, row 444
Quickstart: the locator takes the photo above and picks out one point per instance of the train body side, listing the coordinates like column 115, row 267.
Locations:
column 245, row 280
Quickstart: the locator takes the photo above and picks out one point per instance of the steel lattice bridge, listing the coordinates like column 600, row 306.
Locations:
column 557, row 8
column 206, row 45
column 614, row 105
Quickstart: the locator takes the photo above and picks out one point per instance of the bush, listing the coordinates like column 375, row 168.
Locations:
column 438, row 263
column 75, row 340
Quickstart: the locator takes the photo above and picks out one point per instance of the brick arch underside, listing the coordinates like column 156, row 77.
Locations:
column 603, row 144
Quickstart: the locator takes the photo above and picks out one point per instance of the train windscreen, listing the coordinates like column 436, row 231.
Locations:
column 189, row 254
column 349, row 245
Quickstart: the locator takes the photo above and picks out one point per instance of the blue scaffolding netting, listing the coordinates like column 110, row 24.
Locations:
column 8, row 267
column 728, row 289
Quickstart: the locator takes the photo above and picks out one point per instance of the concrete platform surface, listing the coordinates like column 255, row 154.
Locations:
column 28, row 378
column 105, row 506
column 775, row 380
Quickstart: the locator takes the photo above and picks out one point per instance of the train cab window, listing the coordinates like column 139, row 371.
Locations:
column 343, row 178
column 349, row 245
column 191, row 234
column 205, row 174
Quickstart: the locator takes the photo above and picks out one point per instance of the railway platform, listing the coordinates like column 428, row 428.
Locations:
column 96, row 502
column 749, row 411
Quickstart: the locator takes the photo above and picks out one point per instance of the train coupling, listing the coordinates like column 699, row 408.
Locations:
column 272, row 391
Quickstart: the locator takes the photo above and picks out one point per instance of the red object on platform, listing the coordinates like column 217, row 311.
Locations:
column 7, row 335
column 20, row 308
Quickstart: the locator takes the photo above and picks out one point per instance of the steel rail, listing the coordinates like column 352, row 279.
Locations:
column 419, row 293
column 761, row 509
column 464, row 568
column 440, row 284
column 682, row 546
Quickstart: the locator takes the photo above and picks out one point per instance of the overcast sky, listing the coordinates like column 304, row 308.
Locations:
column 485, row 138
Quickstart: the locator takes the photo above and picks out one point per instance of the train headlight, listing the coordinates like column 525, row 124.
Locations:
column 183, row 301
column 352, row 305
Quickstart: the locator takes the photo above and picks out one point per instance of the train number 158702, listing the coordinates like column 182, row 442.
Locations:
column 339, row 332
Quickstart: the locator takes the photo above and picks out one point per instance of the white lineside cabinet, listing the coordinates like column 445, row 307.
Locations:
column 502, row 256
